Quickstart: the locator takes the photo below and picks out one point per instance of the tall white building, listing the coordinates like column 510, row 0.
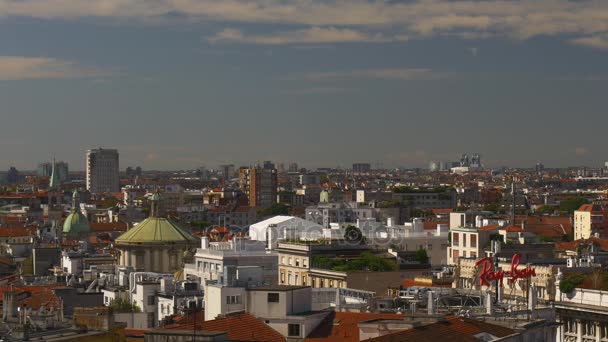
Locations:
column 102, row 170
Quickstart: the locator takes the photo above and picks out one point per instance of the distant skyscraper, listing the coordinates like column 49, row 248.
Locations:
column 293, row 167
column 361, row 167
column 540, row 167
column 61, row 168
column 12, row 176
column 227, row 171
column 260, row 184
column 102, row 170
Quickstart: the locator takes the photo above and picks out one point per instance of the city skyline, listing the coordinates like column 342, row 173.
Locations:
column 175, row 85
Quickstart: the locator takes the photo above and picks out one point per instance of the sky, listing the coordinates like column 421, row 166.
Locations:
column 178, row 84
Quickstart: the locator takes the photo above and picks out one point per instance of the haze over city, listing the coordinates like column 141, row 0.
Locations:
column 179, row 84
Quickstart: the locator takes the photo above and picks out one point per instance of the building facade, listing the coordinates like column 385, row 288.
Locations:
column 259, row 184
column 102, row 170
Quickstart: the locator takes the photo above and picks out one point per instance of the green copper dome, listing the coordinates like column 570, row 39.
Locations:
column 76, row 223
column 157, row 230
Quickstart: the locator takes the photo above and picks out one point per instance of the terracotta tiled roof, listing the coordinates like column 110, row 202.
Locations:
column 16, row 232
column 240, row 327
column 514, row 229
column 432, row 225
column 109, row 227
column 589, row 207
column 453, row 329
column 343, row 326
column 40, row 295
column 489, row 227
column 573, row 245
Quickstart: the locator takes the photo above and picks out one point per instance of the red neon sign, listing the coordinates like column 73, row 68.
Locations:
column 488, row 274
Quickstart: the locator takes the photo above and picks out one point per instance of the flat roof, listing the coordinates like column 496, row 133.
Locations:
column 277, row 288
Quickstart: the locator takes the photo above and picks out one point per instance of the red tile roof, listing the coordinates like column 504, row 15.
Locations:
column 514, row 229
column 453, row 329
column 344, row 326
column 240, row 327
column 573, row 245
column 489, row 227
column 40, row 295
column 109, row 227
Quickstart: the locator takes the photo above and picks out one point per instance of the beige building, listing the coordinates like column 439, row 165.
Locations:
column 469, row 242
column 157, row 244
column 466, row 276
column 588, row 220
column 295, row 259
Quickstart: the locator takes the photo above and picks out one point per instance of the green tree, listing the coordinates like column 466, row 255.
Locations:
column 422, row 256
column 493, row 207
column 274, row 210
column 546, row 209
column 571, row 204
column 122, row 305
column 571, row 281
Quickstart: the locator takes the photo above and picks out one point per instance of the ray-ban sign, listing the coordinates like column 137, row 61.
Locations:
column 488, row 273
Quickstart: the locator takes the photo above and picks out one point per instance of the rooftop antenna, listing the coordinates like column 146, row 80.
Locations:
column 513, row 201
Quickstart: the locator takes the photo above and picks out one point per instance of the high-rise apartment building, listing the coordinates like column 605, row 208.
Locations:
column 260, row 184
column 362, row 167
column 102, row 170
column 61, row 168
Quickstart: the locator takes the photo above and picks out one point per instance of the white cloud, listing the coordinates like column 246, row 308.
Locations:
column 475, row 19
column 598, row 41
column 313, row 35
column 23, row 68
column 384, row 74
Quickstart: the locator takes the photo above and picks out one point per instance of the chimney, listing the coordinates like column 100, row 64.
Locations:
column 205, row 242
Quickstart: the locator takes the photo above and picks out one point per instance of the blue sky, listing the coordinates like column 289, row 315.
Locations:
column 182, row 83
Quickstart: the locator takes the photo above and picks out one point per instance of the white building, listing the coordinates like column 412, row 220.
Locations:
column 212, row 257
column 102, row 170
column 284, row 227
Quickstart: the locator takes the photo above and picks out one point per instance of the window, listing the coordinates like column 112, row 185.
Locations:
column 304, row 262
column 151, row 300
column 283, row 260
column 473, row 240
column 231, row 300
column 303, row 280
column 331, row 283
column 464, row 240
column 455, row 256
column 289, row 261
column 455, row 238
column 296, row 280
column 297, row 262
column 289, row 279
column 273, row 297
column 282, row 277
column 293, row 330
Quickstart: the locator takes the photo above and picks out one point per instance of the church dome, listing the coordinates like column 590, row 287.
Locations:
column 157, row 230
column 76, row 223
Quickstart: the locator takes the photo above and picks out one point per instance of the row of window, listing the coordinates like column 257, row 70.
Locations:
column 456, row 239
column 290, row 261
column 231, row 300
column 296, row 279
